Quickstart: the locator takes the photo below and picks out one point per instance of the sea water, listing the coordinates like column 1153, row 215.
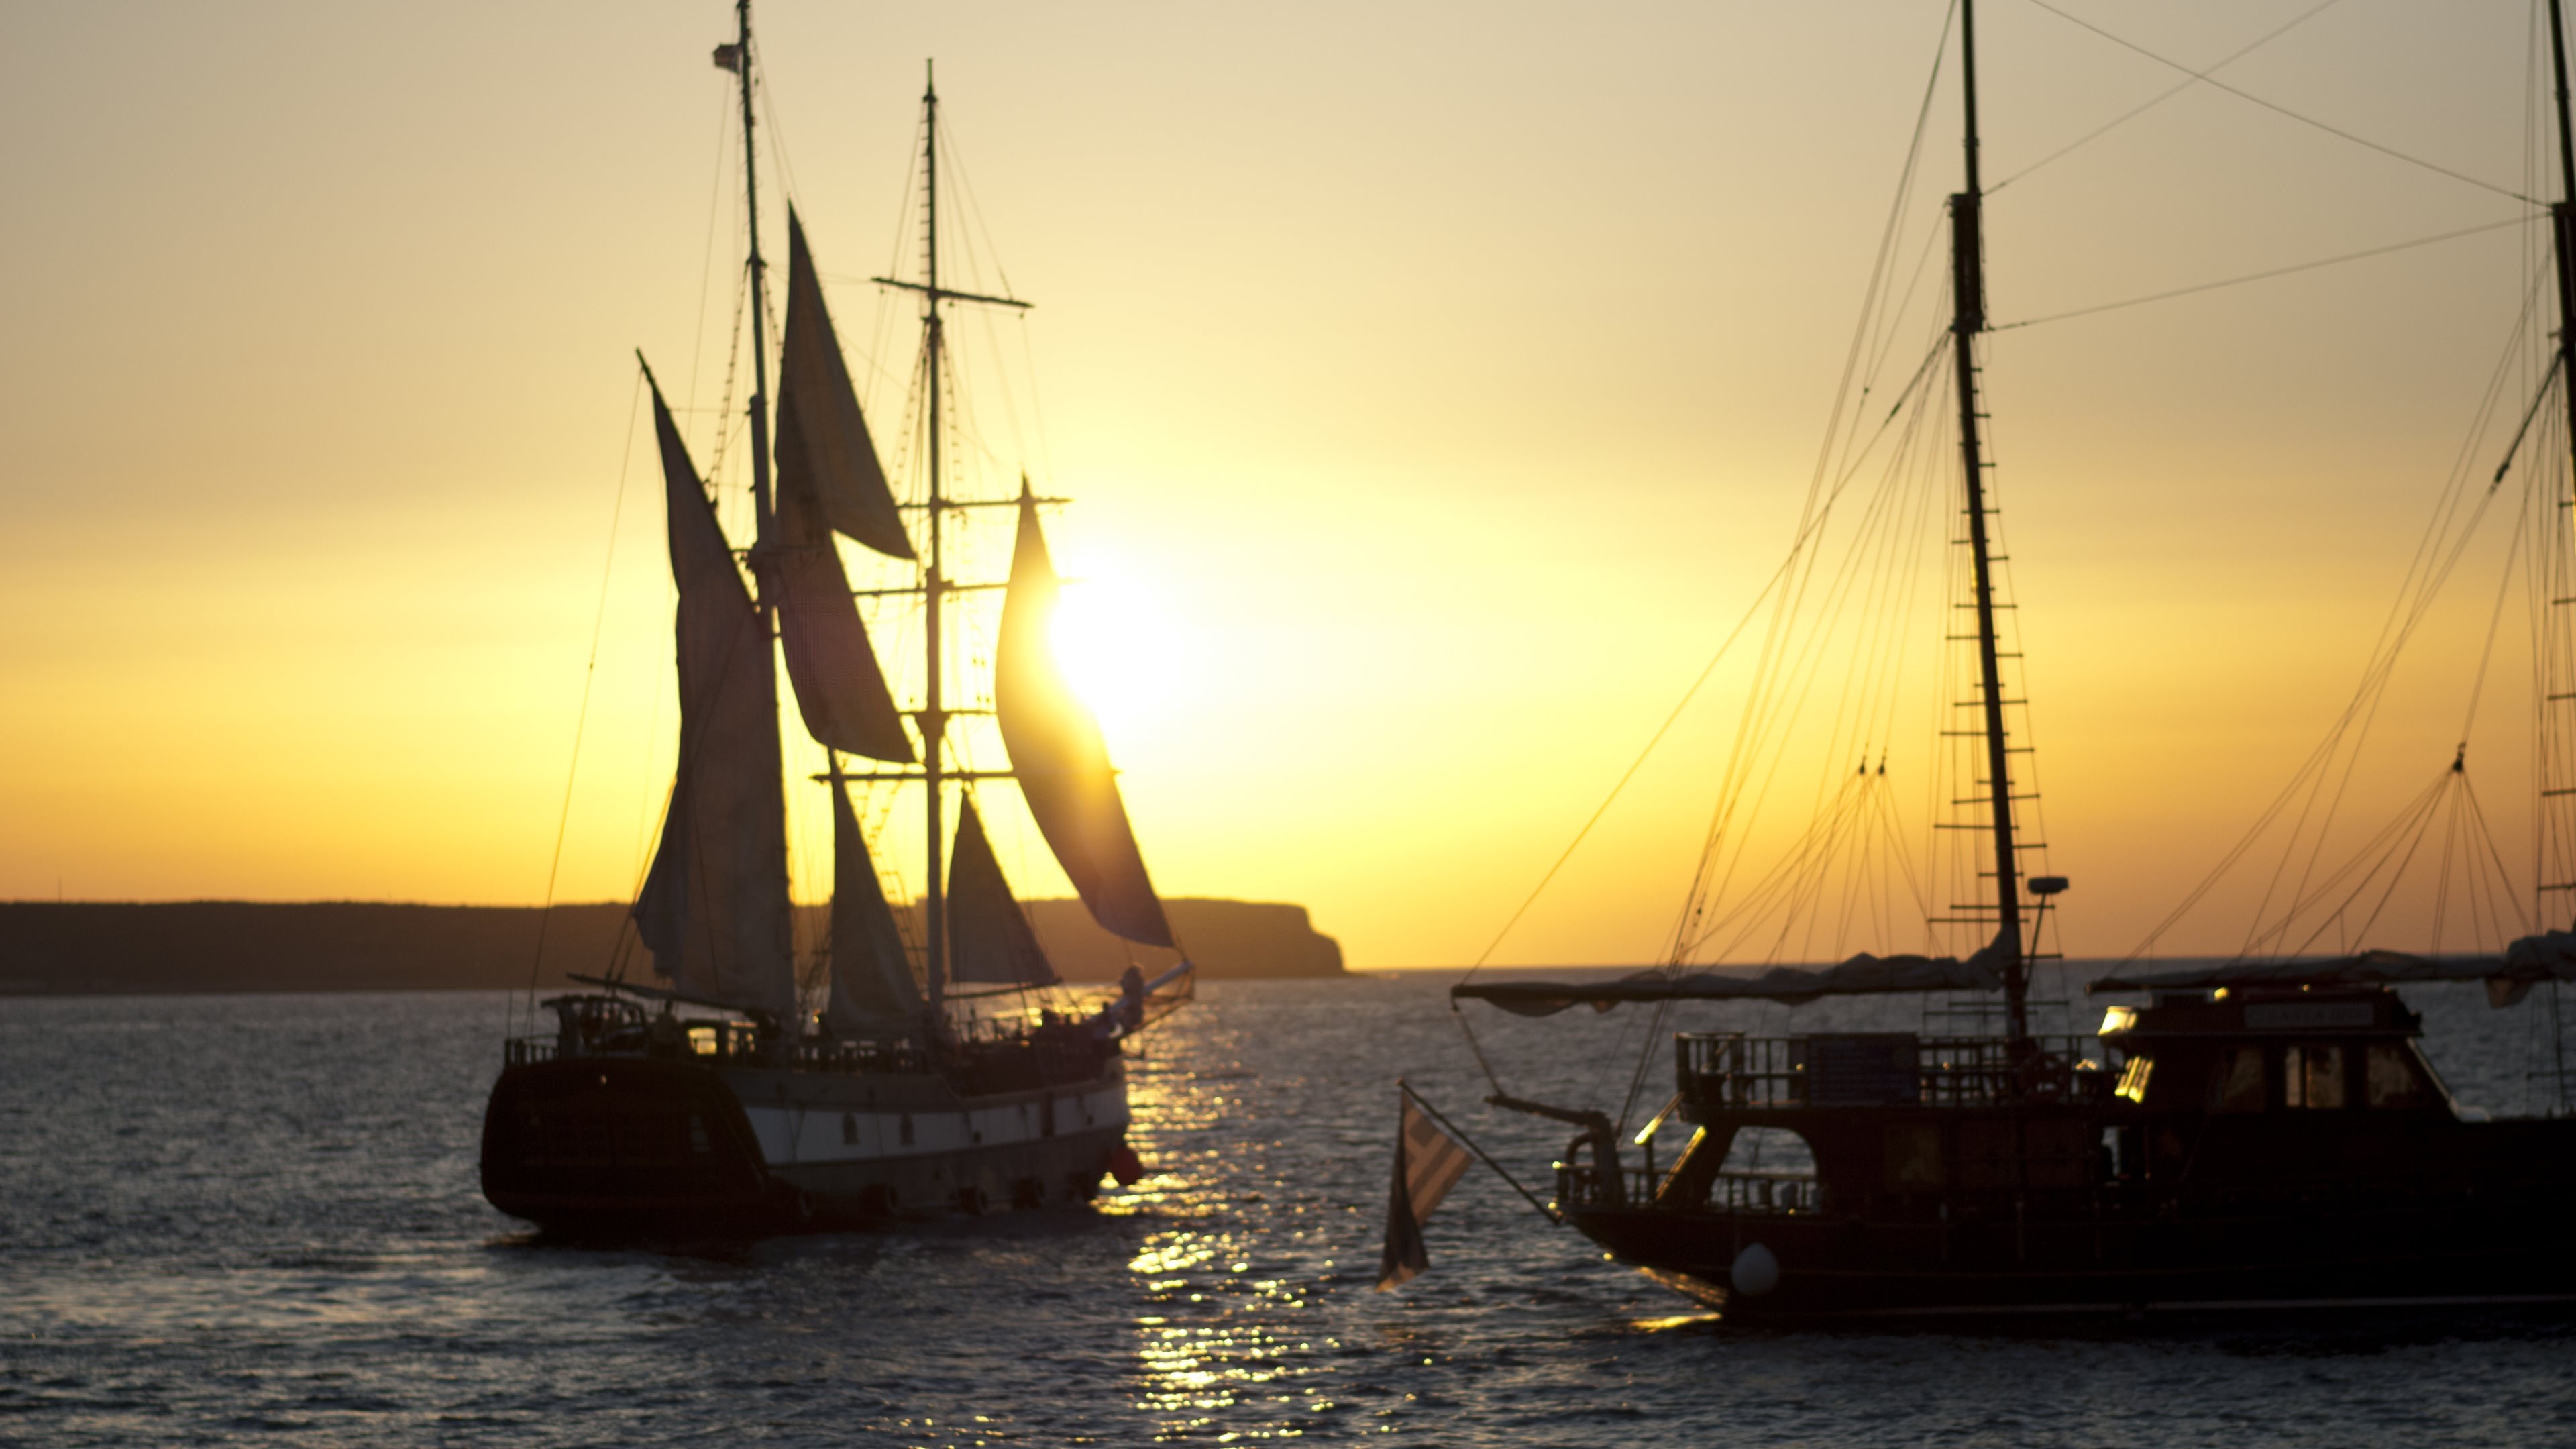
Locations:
column 253, row 1219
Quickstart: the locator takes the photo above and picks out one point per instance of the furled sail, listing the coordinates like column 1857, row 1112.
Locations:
column 823, row 443
column 2548, row 956
column 839, row 689
column 873, row 993
column 1861, row 975
column 989, row 938
column 714, row 909
column 1058, row 755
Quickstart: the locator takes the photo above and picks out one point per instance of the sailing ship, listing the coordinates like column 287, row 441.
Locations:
column 899, row 1098
column 2261, row 1132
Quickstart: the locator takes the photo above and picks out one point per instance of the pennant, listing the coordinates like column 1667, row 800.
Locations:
column 1428, row 1162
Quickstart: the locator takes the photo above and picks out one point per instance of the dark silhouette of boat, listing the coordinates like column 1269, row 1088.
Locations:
column 2266, row 1132
column 755, row 1111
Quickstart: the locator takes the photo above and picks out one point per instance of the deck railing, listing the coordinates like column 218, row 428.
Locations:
column 1730, row 1069
column 1746, row 1193
column 1004, row 1063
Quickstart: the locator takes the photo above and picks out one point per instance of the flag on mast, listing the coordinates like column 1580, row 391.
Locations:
column 1428, row 1162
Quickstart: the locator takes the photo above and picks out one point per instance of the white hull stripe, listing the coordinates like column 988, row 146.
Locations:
column 792, row 1133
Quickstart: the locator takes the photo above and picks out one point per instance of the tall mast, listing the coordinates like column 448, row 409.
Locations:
column 934, row 715
column 760, row 498
column 2562, row 218
column 759, row 272
column 1968, row 287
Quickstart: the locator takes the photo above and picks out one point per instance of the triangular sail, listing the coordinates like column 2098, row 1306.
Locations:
column 823, row 443
column 1059, row 757
column 989, row 938
column 840, row 692
column 873, row 993
column 714, row 910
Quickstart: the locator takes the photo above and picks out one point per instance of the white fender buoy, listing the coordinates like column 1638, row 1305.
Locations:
column 1755, row 1272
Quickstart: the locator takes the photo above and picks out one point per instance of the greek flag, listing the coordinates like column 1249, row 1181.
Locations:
column 1428, row 1162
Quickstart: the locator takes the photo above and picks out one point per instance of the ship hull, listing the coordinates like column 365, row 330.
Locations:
column 2295, row 1256
column 640, row 1144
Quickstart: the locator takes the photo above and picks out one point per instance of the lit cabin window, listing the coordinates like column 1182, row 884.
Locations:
column 2392, row 1078
column 2312, row 1076
column 2237, row 1083
column 2133, row 1078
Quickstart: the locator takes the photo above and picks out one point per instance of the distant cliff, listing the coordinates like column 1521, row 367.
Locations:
column 55, row 947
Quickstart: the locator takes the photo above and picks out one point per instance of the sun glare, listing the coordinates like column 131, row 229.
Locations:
column 1120, row 647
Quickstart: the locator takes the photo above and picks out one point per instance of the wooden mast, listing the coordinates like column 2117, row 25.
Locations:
column 934, row 715
column 1968, row 288
column 761, row 507
column 760, row 501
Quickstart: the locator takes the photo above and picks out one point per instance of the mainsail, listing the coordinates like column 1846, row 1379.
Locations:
column 1059, row 757
column 823, row 443
column 989, row 938
column 714, row 909
column 873, row 993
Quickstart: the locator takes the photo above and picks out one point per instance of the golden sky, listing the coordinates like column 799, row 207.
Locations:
column 1438, row 383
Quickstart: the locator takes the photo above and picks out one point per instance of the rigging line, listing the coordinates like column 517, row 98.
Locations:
column 1732, row 786
column 2392, row 638
column 2210, row 79
column 589, row 677
column 2548, row 381
column 2504, row 588
column 2368, row 859
column 1629, row 774
column 1782, row 883
column 707, row 261
column 1878, row 268
column 1766, row 702
column 778, row 133
column 2378, row 690
column 2109, row 126
column 2394, row 878
column 2264, row 276
column 1798, row 546
column 1867, row 570
column 2495, row 857
column 1941, row 330
column 2442, row 879
column 1795, row 675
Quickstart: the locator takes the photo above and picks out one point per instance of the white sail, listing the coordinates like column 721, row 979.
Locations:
column 1059, row 757
column 714, row 909
column 873, row 993
column 840, row 691
column 989, row 938
column 823, row 443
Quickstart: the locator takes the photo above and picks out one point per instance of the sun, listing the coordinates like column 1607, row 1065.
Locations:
column 1120, row 646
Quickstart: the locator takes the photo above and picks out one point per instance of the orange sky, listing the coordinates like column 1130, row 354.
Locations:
column 1438, row 384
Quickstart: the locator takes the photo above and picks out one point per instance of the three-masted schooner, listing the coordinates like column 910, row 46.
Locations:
column 760, row 1115
column 2257, row 1133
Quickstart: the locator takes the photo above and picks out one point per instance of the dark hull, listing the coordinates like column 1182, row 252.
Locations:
column 2294, row 1256
column 659, row 1145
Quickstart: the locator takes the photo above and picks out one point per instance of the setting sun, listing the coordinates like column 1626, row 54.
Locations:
column 1127, row 651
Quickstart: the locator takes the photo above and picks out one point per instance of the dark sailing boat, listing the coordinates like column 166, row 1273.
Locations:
column 2266, row 1132
column 759, row 1115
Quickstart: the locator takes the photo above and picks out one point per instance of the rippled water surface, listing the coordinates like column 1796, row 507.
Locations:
column 254, row 1219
